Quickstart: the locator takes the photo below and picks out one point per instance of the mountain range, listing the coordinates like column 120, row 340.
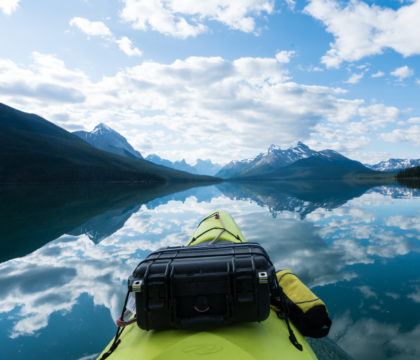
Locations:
column 332, row 164
column 263, row 163
column 395, row 165
column 34, row 150
column 201, row 167
column 104, row 138
column 298, row 162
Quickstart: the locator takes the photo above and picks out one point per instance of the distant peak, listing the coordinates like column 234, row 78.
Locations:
column 273, row 147
column 298, row 145
column 102, row 127
column 301, row 145
column 153, row 156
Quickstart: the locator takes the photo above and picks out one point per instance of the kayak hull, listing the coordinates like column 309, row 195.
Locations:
column 266, row 340
column 218, row 225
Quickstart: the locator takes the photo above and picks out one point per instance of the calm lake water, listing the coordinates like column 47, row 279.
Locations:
column 66, row 253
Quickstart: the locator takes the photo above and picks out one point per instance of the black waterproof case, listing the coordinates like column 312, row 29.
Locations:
column 203, row 286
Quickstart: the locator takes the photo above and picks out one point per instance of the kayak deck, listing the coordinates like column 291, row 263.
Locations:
column 218, row 226
column 267, row 340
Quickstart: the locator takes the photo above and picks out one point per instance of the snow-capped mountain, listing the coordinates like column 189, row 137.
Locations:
column 202, row 167
column 394, row 164
column 207, row 167
column 298, row 161
column 234, row 168
column 270, row 161
column 178, row 165
column 104, row 138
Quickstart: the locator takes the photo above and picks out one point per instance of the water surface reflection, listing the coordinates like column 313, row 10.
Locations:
column 358, row 247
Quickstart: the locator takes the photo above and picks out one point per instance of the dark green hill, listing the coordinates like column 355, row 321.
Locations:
column 33, row 150
column 410, row 177
column 413, row 172
column 324, row 168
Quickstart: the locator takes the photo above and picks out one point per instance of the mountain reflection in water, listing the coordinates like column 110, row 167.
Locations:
column 47, row 212
column 358, row 247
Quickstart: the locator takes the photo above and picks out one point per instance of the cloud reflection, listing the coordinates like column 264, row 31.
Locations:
column 322, row 248
column 367, row 338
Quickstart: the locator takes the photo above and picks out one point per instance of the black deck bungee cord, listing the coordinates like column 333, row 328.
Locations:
column 120, row 329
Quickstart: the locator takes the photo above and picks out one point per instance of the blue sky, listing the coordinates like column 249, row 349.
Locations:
column 220, row 79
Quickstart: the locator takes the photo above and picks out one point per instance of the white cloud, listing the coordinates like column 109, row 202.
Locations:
column 415, row 296
column 410, row 134
column 310, row 68
column 367, row 292
column 355, row 78
column 91, row 28
column 414, row 121
column 402, row 72
column 89, row 357
column 381, row 340
column 285, row 56
column 354, row 126
column 127, row 47
column 378, row 74
column 9, row 6
column 186, row 18
column 99, row 29
column 47, row 81
column 404, row 222
column 179, row 104
column 291, row 4
column 362, row 30
column 83, row 266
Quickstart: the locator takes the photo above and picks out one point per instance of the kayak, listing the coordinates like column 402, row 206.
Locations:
column 266, row 340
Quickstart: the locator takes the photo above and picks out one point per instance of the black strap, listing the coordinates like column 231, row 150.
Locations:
column 117, row 339
column 114, row 344
column 216, row 228
column 215, row 214
column 292, row 336
column 282, row 310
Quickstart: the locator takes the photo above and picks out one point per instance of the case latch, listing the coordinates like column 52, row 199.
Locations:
column 262, row 277
column 137, row 285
